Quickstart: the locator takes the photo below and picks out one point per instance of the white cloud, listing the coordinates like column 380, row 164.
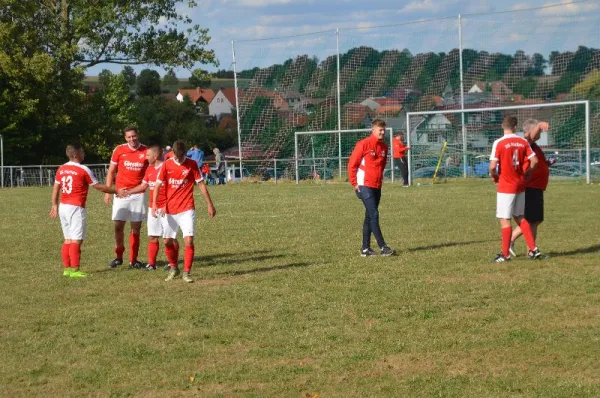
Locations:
column 431, row 6
column 568, row 9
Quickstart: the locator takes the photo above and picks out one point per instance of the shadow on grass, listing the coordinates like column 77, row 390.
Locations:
column 448, row 244
column 583, row 250
column 266, row 269
column 226, row 258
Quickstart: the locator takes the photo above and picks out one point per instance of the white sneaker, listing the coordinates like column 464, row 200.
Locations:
column 172, row 274
column 187, row 278
column 511, row 249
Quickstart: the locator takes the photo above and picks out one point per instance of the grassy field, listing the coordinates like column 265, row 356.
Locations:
column 283, row 306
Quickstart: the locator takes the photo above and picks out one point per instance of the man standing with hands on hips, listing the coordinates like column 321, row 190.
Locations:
column 365, row 171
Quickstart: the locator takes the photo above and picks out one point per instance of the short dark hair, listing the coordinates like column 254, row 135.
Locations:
column 72, row 149
column 400, row 132
column 179, row 149
column 378, row 123
column 130, row 128
column 156, row 149
column 509, row 122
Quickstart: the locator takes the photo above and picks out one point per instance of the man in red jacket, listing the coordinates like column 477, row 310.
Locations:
column 365, row 170
column 400, row 161
column 536, row 184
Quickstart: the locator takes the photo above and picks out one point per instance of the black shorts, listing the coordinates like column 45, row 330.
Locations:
column 534, row 205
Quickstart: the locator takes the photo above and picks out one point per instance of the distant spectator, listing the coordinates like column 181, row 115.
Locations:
column 220, row 163
column 400, row 156
column 196, row 155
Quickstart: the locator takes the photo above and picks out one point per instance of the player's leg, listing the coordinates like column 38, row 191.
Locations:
column 385, row 250
column 187, row 221
column 533, row 216
column 365, row 250
column 65, row 220
column 170, row 233
column 504, row 211
column 78, row 231
column 404, row 169
column 137, row 212
column 371, row 198
column 155, row 231
column 120, row 215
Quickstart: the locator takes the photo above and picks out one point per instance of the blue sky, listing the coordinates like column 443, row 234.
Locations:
column 556, row 28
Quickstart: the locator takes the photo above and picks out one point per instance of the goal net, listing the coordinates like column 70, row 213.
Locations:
column 324, row 154
column 470, row 133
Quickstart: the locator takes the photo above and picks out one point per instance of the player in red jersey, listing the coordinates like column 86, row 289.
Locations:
column 536, row 184
column 400, row 161
column 129, row 163
column 365, row 171
column 156, row 225
column 73, row 180
column 511, row 162
column 179, row 175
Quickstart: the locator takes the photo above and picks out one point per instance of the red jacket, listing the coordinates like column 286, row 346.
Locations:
column 539, row 176
column 366, row 164
column 399, row 148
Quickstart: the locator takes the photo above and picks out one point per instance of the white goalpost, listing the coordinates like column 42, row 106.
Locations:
column 473, row 138
column 337, row 146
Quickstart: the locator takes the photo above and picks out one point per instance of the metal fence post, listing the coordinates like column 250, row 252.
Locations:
column 462, row 95
column 11, row 177
column 339, row 101
column 296, row 157
column 275, row 170
column 580, row 161
column 41, row 177
column 237, row 107
column 588, row 172
column 2, row 159
column 325, row 170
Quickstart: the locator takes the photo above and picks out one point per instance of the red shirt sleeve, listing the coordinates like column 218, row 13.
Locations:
column 115, row 156
column 529, row 152
column 196, row 173
column 354, row 162
column 162, row 174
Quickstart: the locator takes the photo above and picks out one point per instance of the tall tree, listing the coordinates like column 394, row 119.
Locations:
column 170, row 79
column 104, row 77
column 148, row 83
column 199, row 78
column 129, row 74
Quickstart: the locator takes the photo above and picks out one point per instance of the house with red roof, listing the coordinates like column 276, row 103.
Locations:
column 223, row 103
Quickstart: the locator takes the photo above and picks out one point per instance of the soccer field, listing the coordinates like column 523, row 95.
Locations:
column 284, row 306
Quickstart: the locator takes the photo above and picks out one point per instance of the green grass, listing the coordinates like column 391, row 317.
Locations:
column 283, row 306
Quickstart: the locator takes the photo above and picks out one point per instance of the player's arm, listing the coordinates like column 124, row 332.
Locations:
column 139, row 189
column 54, row 199
column 110, row 190
column 110, row 176
column 211, row 208
column 494, row 170
column 533, row 163
column 353, row 164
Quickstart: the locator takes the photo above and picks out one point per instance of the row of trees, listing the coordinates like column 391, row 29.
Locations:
column 45, row 49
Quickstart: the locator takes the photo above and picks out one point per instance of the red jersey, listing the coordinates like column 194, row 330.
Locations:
column 539, row 176
column 74, row 180
column 399, row 149
column 366, row 164
column 150, row 180
column 169, row 155
column 512, row 153
column 131, row 165
column 179, row 179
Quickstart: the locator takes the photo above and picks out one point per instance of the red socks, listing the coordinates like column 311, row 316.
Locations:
column 119, row 252
column 64, row 253
column 152, row 252
column 188, row 258
column 74, row 254
column 527, row 234
column 172, row 253
column 134, row 247
column 506, row 235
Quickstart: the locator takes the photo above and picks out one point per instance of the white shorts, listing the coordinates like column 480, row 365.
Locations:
column 131, row 208
column 73, row 220
column 156, row 225
column 184, row 221
column 509, row 205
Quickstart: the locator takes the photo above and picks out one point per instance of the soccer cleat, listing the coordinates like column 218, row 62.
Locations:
column 500, row 259
column 172, row 274
column 77, row 274
column 115, row 263
column 386, row 251
column 367, row 252
column 535, row 254
column 511, row 249
column 404, row 186
column 167, row 268
column 187, row 278
column 136, row 265
column 67, row 272
column 150, row 267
